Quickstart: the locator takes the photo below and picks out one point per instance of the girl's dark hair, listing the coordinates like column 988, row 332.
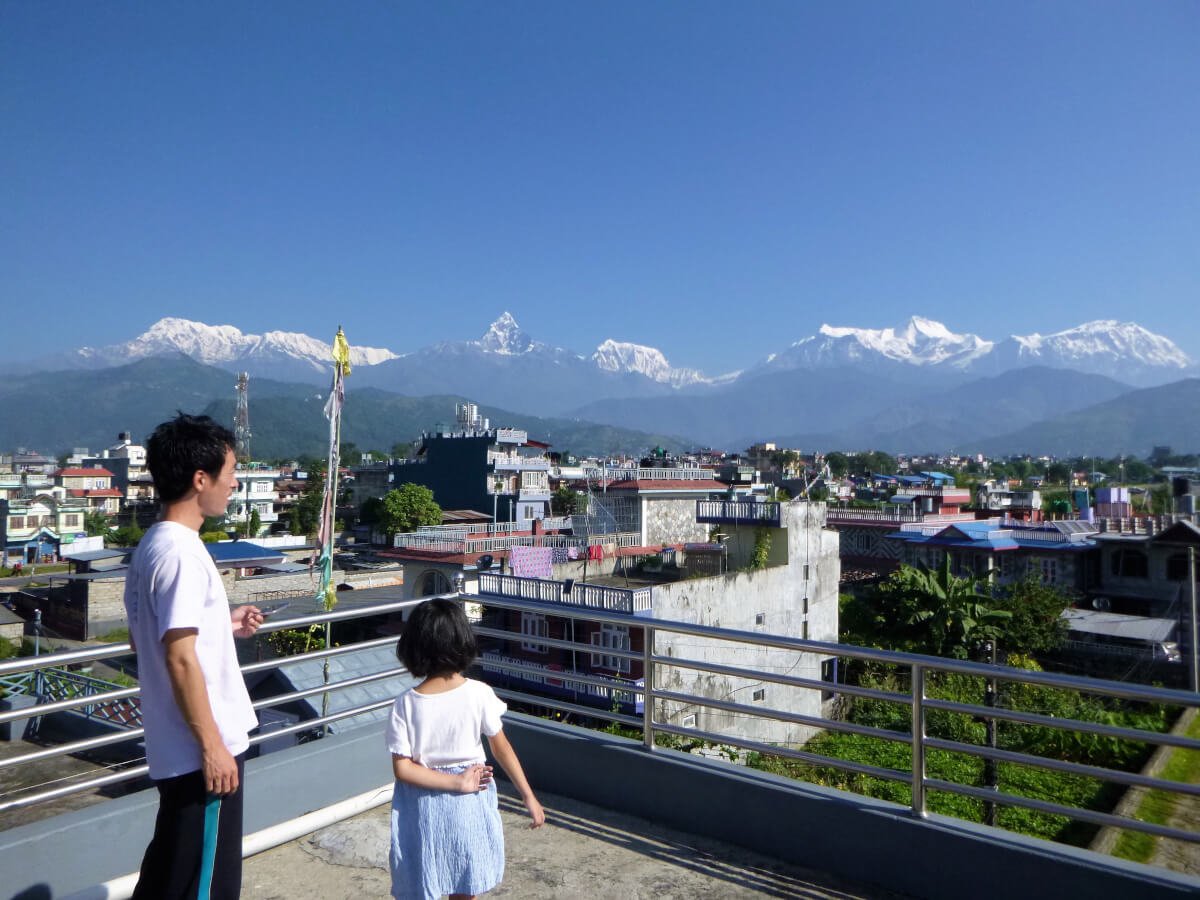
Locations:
column 437, row 640
column 180, row 448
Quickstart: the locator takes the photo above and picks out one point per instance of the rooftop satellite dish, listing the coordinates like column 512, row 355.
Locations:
column 484, row 562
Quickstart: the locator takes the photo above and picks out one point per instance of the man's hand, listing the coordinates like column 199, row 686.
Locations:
column 220, row 770
column 246, row 620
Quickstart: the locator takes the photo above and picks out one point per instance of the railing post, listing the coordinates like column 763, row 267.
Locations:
column 648, row 688
column 918, row 740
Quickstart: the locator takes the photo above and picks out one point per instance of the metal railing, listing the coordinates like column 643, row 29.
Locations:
column 596, row 596
column 738, row 511
column 654, row 716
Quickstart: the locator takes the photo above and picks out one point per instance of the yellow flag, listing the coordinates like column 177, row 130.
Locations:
column 341, row 351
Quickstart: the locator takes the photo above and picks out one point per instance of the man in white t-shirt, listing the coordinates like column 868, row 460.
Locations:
column 195, row 708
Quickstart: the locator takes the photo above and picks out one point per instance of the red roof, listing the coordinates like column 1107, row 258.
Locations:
column 84, row 473
column 95, row 492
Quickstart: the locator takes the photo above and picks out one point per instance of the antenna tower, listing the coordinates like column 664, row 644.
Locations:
column 241, row 419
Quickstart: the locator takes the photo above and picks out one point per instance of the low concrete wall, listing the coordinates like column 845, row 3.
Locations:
column 861, row 839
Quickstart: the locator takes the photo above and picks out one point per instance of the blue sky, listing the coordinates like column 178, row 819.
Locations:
column 712, row 179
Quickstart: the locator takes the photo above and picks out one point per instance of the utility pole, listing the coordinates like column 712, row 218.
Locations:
column 1195, row 649
column 990, row 772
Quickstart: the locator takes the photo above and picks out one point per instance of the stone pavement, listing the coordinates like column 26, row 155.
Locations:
column 582, row 851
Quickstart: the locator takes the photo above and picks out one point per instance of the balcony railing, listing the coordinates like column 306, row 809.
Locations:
column 659, row 670
column 596, row 596
column 738, row 512
column 679, row 474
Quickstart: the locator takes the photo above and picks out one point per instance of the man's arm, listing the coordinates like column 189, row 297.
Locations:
column 191, row 696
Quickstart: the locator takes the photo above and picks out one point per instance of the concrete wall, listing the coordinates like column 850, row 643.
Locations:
column 671, row 521
column 777, row 600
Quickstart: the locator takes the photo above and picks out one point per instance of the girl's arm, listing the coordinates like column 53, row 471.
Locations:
column 504, row 754
column 469, row 781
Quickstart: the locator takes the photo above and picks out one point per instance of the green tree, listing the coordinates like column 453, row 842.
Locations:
column 1058, row 473
column 306, row 513
column 95, row 523
column 371, row 511
column 925, row 611
column 126, row 536
column 253, row 524
column 1036, row 624
column 564, row 501
column 409, row 507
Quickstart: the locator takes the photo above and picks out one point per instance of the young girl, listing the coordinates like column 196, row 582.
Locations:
column 446, row 832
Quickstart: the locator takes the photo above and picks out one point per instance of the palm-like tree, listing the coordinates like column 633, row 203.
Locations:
column 944, row 614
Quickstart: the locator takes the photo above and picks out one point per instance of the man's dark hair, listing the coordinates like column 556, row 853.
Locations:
column 180, row 448
column 437, row 640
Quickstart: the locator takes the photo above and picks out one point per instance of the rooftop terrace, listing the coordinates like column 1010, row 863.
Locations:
column 628, row 817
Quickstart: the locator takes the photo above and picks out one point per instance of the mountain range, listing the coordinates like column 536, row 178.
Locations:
column 918, row 387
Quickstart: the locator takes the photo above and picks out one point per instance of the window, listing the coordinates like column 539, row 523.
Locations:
column 760, row 618
column 1049, row 570
column 1177, row 567
column 760, row 695
column 806, row 571
column 533, row 625
column 71, row 521
column 829, row 674
column 1128, row 563
column 611, row 637
column 16, row 522
column 1007, row 566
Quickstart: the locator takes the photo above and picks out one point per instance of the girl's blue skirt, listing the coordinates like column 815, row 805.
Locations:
column 444, row 843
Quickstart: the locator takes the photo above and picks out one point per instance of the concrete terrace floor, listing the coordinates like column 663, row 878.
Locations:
column 582, row 851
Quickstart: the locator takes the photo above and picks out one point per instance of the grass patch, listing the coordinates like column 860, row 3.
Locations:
column 116, row 636
column 1157, row 807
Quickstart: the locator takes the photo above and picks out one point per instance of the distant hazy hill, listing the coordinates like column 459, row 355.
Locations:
column 927, row 421
column 1133, row 423
column 56, row 411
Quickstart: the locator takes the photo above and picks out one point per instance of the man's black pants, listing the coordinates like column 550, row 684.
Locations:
column 182, row 858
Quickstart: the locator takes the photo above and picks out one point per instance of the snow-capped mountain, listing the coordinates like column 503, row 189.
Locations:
column 1122, row 350
column 918, row 342
column 274, row 354
column 504, row 336
column 619, row 356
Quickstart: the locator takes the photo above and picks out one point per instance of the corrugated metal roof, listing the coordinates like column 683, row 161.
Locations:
column 310, row 674
column 1110, row 624
column 243, row 553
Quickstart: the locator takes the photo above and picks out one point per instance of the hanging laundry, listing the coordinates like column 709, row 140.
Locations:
column 531, row 562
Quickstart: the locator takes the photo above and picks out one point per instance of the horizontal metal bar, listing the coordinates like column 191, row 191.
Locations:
column 776, row 678
column 566, row 676
column 127, row 774
column 78, row 788
column 280, row 699
column 118, row 737
column 1060, row 724
column 561, row 643
column 759, row 712
column 1057, row 809
column 771, row 750
column 325, row 653
column 589, row 711
column 45, row 709
column 1122, row 690
column 1060, row 765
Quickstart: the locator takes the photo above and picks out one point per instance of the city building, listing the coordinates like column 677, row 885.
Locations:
column 499, row 471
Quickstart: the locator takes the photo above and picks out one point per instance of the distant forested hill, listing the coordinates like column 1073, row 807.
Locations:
column 53, row 412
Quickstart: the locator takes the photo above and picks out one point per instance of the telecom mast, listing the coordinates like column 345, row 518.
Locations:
column 241, row 419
